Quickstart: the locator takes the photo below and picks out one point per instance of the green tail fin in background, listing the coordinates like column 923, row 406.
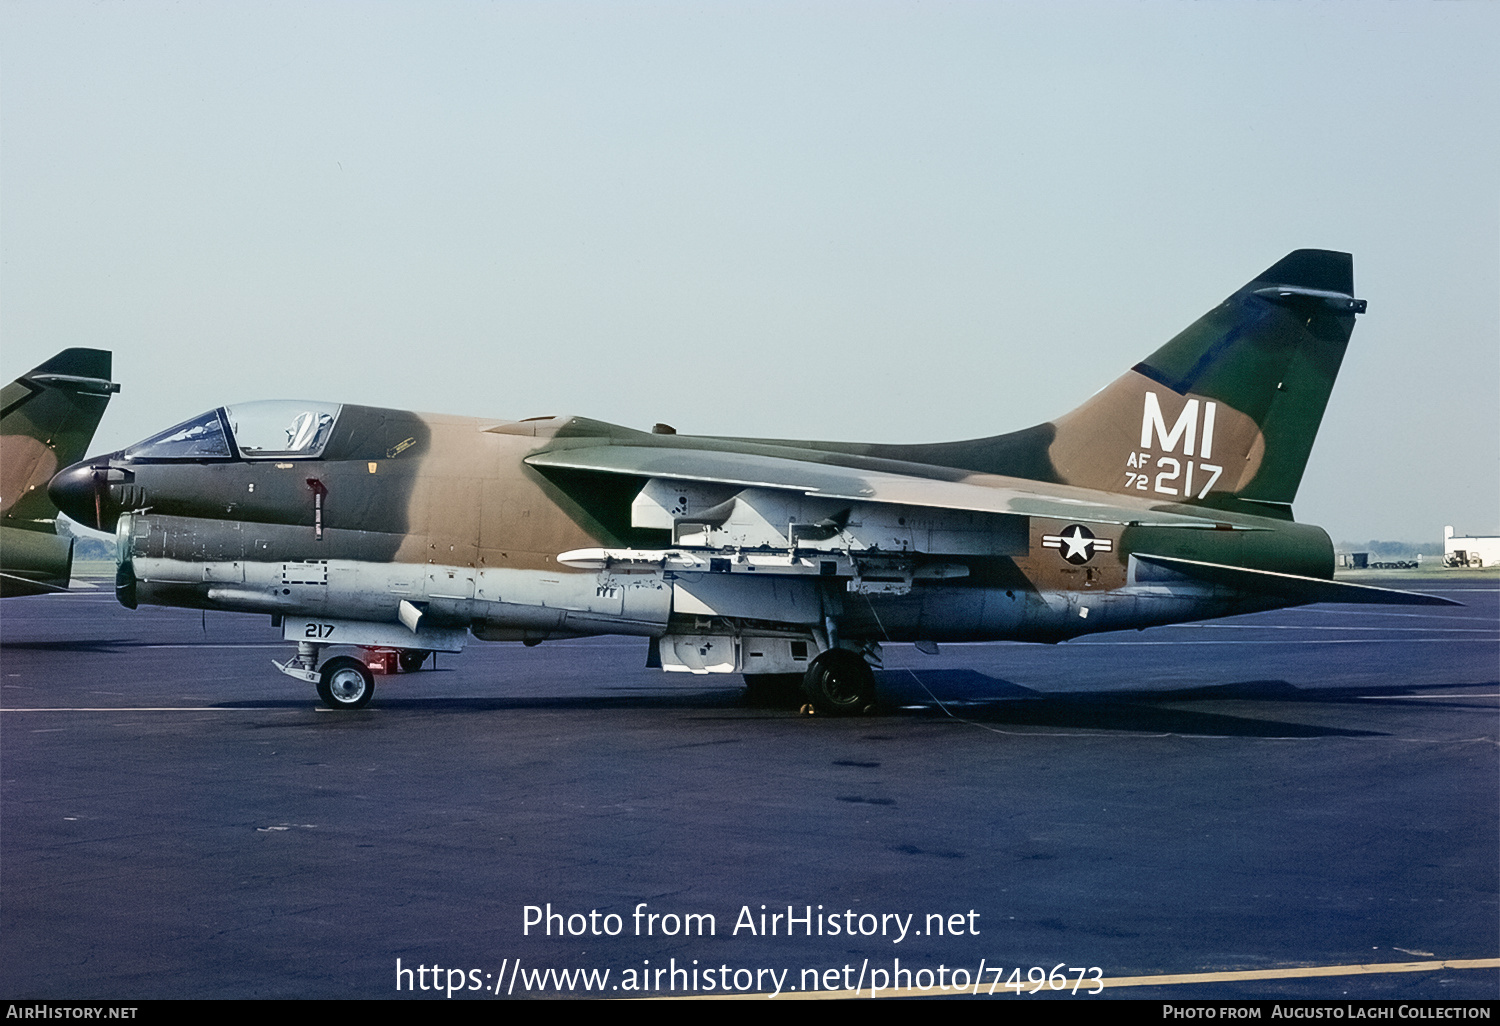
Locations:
column 47, row 419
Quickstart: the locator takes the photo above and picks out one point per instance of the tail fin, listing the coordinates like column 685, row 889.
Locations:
column 47, row 420
column 1228, row 409
column 1223, row 415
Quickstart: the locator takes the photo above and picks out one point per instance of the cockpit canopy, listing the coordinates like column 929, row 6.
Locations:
column 270, row 429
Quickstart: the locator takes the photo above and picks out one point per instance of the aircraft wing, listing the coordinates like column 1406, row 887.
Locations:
column 859, row 484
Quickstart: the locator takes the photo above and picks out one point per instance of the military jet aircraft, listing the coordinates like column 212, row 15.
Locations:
column 47, row 419
column 1163, row 498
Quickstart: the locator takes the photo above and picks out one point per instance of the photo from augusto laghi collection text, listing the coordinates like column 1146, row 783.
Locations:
column 510, row 976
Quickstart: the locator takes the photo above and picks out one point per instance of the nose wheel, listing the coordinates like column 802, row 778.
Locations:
column 342, row 682
column 345, row 683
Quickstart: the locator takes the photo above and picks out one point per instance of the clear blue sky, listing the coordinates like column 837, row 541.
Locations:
column 847, row 220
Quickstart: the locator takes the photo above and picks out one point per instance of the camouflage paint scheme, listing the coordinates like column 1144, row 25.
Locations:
column 47, row 419
column 1165, row 497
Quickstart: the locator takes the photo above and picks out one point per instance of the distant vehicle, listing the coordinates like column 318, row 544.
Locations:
column 1165, row 497
column 47, row 420
column 1396, row 564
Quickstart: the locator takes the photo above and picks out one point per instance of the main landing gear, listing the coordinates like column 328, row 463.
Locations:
column 838, row 683
column 411, row 659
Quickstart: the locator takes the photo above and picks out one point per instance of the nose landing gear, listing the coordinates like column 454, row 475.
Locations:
column 343, row 682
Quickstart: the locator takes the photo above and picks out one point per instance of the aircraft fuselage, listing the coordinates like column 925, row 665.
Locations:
column 458, row 524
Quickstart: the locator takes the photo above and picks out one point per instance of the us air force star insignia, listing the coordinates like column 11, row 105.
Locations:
column 1079, row 542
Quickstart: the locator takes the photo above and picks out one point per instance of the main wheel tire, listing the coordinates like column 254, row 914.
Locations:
column 345, row 683
column 773, row 690
column 840, row 683
column 411, row 659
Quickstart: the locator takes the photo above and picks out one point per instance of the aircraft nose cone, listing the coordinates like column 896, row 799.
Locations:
column 80, row 491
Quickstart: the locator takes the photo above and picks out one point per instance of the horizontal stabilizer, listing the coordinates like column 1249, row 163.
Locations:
column 1297, row 589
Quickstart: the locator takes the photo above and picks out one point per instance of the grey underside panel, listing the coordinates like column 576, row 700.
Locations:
column 1291, row 586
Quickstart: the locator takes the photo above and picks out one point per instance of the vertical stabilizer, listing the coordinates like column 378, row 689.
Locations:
column 47, row 420
column 1229, row 408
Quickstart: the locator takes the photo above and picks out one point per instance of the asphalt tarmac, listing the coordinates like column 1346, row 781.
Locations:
column 1309, row 788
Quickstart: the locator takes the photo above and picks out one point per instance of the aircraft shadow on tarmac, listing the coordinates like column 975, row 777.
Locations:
column 967, row 694
column 1139, row 710
column 959, row 682
column 996, row 701
column 101, row 646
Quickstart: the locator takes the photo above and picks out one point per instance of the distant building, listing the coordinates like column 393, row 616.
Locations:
column 1470, row 549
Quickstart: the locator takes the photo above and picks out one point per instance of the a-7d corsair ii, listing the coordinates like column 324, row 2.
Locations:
column 1165, row 497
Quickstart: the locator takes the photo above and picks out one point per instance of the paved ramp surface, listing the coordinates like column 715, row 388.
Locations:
column 1287, row 791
